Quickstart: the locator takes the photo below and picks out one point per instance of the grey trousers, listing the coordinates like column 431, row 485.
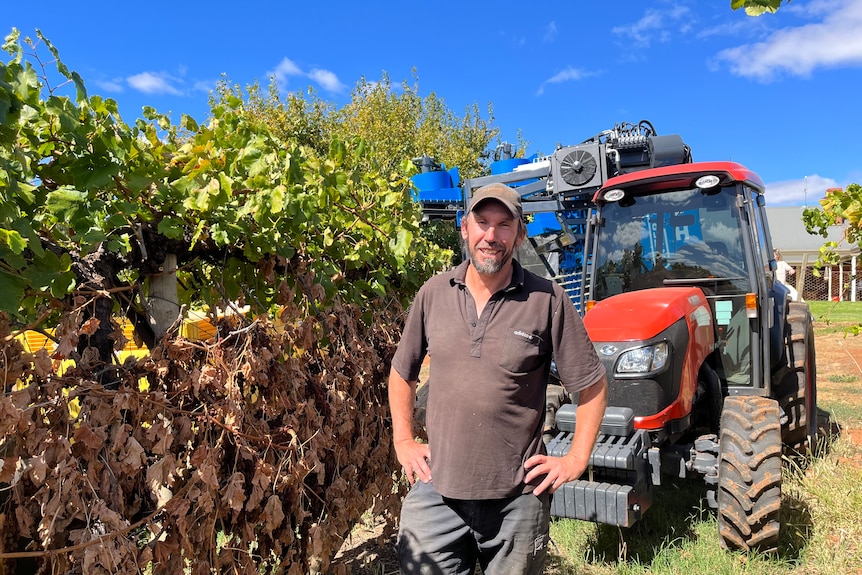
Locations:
column 442, row 536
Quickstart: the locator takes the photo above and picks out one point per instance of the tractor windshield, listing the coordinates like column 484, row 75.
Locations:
column 685, row 237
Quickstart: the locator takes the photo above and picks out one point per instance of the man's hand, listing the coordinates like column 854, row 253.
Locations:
column 557, row 470
column 560, row 470
column 414, row 458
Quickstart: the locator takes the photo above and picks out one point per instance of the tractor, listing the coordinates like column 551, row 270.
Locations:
column 710, row 363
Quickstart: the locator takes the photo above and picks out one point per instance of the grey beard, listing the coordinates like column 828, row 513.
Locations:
column 484, row 267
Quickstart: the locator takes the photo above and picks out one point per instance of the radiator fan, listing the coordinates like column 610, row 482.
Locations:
column 578, row 167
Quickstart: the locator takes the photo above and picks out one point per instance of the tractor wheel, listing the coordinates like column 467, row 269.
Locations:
column 749, row 474
column 797, row 389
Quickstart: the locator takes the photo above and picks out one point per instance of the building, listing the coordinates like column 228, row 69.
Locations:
column 801, row 249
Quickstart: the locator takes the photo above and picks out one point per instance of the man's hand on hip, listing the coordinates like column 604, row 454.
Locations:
column 414, row 458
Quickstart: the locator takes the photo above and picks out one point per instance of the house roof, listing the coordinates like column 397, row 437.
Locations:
column 790, row 237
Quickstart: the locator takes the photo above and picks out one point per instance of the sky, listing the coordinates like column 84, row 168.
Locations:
column 779, row 93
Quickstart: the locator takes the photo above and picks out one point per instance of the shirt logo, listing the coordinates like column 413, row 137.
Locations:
column 531, row 337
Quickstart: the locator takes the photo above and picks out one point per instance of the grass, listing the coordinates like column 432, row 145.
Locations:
column 836, row 316
column 822, row 500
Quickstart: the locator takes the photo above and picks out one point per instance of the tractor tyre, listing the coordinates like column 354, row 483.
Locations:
column 749, row 474
column 796, row 390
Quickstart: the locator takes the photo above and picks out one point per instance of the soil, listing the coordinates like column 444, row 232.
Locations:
column 839, row 375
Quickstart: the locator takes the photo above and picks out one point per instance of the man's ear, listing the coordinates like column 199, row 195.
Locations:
column 464, row 226
column 522, row 234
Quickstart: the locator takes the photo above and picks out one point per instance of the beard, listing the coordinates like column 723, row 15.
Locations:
column 484, row 266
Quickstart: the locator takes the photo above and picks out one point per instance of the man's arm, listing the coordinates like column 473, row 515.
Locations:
column 412, row 456
column 560, row 470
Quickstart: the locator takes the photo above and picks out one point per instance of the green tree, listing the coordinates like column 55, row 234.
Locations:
column 758, row 7
column 397, row 122
column 839, row 207
column 93, row 204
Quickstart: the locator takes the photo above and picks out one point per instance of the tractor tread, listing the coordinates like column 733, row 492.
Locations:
column 749, row 475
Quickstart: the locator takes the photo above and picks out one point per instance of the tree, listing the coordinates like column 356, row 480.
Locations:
column 758, row 7
column 839, row 207
column 259, row 447
column 397, row 122
column 233, row 195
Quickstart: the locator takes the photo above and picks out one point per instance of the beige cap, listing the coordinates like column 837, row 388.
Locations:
column 503, row 194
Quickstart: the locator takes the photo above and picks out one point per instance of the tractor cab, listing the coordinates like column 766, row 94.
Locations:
column 699, row 226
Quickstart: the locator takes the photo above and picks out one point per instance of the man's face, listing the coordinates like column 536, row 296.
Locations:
column 491, row 236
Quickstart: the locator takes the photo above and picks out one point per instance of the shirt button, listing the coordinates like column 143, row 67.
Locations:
column 473, row 324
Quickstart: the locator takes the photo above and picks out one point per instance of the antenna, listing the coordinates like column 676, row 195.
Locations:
column 805, row 192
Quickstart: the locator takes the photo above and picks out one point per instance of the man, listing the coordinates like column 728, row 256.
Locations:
column 491, row 329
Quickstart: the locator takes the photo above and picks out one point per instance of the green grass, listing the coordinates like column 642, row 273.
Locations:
column 821, row 533
column 832, row 316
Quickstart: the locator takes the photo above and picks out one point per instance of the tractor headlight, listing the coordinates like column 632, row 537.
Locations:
column 643, row 360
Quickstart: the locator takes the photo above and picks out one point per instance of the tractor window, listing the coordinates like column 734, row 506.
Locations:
column 657, row 240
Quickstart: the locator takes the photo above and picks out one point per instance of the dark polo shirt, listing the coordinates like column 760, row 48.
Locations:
column 488, row 375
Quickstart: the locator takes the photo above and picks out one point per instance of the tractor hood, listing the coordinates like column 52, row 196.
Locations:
column 641, row 315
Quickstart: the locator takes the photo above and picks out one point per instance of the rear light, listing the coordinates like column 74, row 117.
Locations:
column 589, row 304
column 751, row 305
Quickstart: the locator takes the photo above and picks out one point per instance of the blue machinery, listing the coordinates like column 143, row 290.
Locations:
column 556, row 192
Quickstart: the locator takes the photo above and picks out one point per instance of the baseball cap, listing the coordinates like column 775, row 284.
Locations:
column 503, row 194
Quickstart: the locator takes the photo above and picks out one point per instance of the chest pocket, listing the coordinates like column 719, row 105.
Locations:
column 522, row 352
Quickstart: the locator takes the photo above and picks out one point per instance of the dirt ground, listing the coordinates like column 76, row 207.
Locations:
column 839, row 380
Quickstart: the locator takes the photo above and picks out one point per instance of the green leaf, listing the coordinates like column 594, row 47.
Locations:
column 80, row 89
column 67, row 204
column 11, row 293
column 401, row 244
column 172, row 228
column 13, row 240
column 188, row 123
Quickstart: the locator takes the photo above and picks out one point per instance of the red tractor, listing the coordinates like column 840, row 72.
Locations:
column 710, row 364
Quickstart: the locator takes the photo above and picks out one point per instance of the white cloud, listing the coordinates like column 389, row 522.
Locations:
column 835, row 41
column 569, row 74
column 550, row 33
column 114, row 86
column 804, row 192
column 286, row 68
column 328, row 80
column 154, row 83
column 655, row 24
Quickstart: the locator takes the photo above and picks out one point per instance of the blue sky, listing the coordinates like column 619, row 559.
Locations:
column 779, row 93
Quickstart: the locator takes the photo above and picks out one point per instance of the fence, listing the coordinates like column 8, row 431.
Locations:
column 835, row 283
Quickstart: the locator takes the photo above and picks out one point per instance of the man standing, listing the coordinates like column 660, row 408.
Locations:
column 491, row 329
